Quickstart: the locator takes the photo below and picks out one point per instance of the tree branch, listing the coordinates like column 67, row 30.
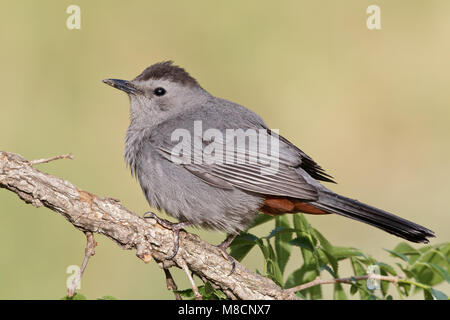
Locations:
column 39, row 161
column 94, row 214
column 171, row 285
column 88, row 253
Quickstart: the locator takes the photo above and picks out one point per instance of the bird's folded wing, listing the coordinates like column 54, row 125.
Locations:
column 242, row 167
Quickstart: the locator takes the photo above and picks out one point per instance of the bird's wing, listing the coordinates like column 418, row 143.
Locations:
column 244, row 166
column 308, row 164
column 255, row 172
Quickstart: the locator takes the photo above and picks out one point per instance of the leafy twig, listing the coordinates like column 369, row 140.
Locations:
column 348, row 280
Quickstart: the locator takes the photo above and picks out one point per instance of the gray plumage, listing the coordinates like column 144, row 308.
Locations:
column 222, row 196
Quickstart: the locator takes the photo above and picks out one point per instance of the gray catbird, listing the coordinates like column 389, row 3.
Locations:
column 224, row 196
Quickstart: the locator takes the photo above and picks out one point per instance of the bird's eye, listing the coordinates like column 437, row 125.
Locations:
column 159, row 91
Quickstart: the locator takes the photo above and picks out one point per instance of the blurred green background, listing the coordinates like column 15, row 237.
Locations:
column 371, row 107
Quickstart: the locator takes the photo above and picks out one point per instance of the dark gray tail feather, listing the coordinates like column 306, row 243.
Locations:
column 386, row 221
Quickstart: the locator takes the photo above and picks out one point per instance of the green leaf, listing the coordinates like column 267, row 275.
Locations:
column 368, row 261
column 424, row 273
column 274, row 273
column 327, row 268
column 405, row 249
column 298, row 276
column 295, row 278
column 273, row 269
column 438, row 295
column 107, row 298
column 441, row 271
column 240, row 252
column 445, row 249
column 439, row 257
column 282, row 245
column 359, row 270
column 333, row 262
column 408, row 273
column 323, row 241
column 424, row 251
column 353, row 289
column 244, row 238
column 260, row 219
column 282, row 230
column 300, row 295
column 205, row 295
column 304, row 228
column 386, row 268
column 264, row 250
column 76, row 296
column 384, row 284
column 302, row 225
column 341, row 253
column 423, row 270
column 242, row 245
column 425, row 248
column 406, row 287
column 339, row 293
column 220, row 295
column 433, row 255
column 187, row 293
column 398, row 255
column 209, row 290
column 427, row 294
column 303, row 242
column 315, row 292
column 209, row 293
column 325, row 259
column 327, row 250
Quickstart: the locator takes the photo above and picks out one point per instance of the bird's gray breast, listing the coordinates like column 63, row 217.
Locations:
column 172, row 188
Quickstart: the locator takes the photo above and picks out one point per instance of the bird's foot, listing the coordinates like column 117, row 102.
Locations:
column 175, row 227
column 223, row 247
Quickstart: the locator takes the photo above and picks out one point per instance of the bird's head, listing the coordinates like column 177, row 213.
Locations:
column 159, row 92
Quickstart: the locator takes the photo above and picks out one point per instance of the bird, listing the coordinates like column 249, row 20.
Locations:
column 170, row 114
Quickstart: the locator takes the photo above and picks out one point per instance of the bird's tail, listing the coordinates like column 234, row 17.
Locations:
column 334, row 203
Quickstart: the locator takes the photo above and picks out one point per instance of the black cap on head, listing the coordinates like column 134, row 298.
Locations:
column 167, row 71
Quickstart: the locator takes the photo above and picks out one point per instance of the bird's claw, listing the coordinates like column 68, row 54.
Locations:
column 223, row 247
column 175, row 227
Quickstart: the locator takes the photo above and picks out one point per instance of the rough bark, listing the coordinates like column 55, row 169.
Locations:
column 91, row 213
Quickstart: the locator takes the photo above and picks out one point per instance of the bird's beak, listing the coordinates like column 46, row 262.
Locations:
column 123, row 85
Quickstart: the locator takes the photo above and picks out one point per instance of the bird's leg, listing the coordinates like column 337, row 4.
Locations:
column 228, row 240
column 175, row 227
column 224, row 245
